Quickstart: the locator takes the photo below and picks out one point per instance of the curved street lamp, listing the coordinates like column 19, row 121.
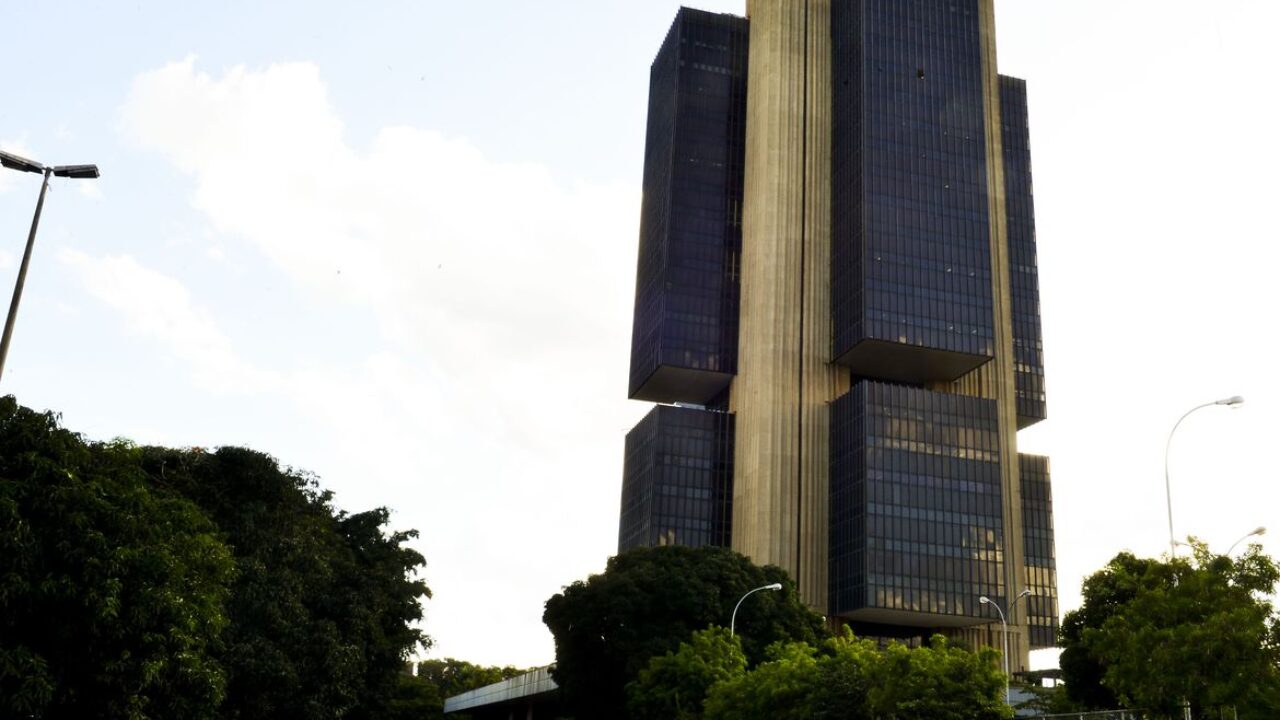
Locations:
column 14, row 162
column 1233, row 401
column 1004, row 629
column 1256, row 531
column 733, row 618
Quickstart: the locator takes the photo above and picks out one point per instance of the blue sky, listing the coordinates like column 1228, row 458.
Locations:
column 394, row 243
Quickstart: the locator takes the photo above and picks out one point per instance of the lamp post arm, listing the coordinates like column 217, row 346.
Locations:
column 1255, row 533
column 22, row 274
column 734, row 617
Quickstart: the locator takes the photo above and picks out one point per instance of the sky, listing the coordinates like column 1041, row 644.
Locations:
column 394, row 244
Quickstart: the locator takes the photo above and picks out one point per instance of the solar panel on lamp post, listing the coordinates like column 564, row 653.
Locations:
column 15, row 162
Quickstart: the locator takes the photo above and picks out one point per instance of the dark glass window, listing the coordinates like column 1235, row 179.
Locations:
column 1024, row 276
column 677, row 480
column 684, row 342
column 916, row 520
column 1037, row 539
column 911, row 258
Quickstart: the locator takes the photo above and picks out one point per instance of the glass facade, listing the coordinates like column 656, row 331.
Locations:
column 916, row 500
column 1028, row 353
column 684, row 342
column 911, row 259
column 677, row 480
column 1037, row 538
column 916, row 521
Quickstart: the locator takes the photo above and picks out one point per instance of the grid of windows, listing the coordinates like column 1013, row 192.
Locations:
column 686, row 310
column 1028, row 352
column 1037, row 538
column 677, row 480
column 916, row 519
column 911, row 260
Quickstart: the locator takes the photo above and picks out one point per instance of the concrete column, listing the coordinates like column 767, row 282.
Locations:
column 784, row 381
column 1000, row 378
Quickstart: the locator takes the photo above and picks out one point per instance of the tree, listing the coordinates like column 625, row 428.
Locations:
column 1197, row 630
column 648, row 601
column 453, row 677
column 781, row 688
column 1104, row 593
column 422, row 696
column 852, row 679
column 674, row 686
column 415, row 698
column 939, row 682
column 112, row 595
column 322, row 608
column 150, row 582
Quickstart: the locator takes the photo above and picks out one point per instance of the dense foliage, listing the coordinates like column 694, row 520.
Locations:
column 843, row 678
column 853, row 679
column 322, row 604
column 421, row 696
column 674, row 686
column 158, row 583
column 453, row 677
column 1155, row 633
column 112, row 597
column 647, row 602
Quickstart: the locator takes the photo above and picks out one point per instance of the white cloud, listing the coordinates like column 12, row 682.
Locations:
column 493, row 416
column 91, row 190
column 160, row 307
column 6, row 261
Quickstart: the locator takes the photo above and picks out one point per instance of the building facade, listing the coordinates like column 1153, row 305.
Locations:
column 837, row 308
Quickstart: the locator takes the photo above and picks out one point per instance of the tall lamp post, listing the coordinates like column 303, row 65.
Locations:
column 1004, row 629
column 734, row 617
column 1233, row 401
column 15, row 162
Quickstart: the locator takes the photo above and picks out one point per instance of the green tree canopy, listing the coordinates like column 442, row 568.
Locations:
column 939, row 682
column 1198, row 630
column 1104, row 593
column 155, row 583
column 648, row 601
column 112, row 596
column 852, row 679
column 674, row 686
column 322, row 607
column 453, row 677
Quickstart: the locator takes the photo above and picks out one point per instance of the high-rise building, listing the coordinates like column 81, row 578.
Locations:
column 837, row 307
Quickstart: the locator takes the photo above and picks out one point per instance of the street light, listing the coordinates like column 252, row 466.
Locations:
column 1004, row 628
column 14, row 162
column 1233, row 401
column 733, row 618
column 1256, row 531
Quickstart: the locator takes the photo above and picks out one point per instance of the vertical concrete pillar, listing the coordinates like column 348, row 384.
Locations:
column 784, row 383
column 1000, row 372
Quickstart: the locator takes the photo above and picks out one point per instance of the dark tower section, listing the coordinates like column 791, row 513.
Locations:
column 917, row 529
column 911, row 258
column 1024, row 275
column 1037, row 533
column 684, row 342
column 677, row 480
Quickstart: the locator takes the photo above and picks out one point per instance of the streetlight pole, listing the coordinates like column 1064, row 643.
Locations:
column 15, row 162
column 1233, row 401
column 1004, row 629
column 733, row 618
